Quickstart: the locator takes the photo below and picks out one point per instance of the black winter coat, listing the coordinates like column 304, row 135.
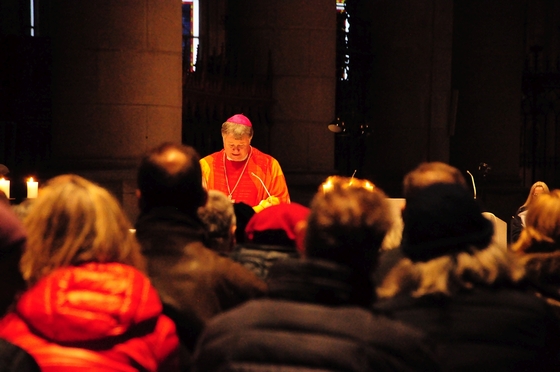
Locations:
column 542, row 276
column 502, row 329
column 310, row 322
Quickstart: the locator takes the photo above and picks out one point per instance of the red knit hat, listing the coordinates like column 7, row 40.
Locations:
column 276, row 225
column 240, row 119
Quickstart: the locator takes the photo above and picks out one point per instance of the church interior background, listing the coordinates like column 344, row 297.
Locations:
column 87, row 87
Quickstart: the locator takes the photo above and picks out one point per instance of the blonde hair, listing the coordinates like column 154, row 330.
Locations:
column 74, row 221
column 348, row 221
column 542, row 225
column 449, row 274
column 530, row 197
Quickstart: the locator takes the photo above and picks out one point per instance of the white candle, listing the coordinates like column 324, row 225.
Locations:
column 5, row 186
column 32, row 188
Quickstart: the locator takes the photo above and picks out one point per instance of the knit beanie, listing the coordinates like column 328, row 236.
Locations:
column 442, row 219
column 239, row 119
column 276, row 225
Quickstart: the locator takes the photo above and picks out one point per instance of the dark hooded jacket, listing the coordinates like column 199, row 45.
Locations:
column 315, row 319
column 194, row 282
column 542, row 276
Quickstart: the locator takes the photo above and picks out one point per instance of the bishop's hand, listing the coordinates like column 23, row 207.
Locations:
column 268, row 202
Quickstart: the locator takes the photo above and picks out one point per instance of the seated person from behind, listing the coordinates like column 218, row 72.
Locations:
column 272, row 235
column 243, row 213
column 459, row 286
column 194, row 282
column 424, row 175
column 538, row 248
column 218, row 216
column 317, row 315
column 88, row 306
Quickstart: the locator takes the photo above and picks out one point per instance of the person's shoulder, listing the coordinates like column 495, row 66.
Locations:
column 213, row 261
column 211, row 157
column 264, row 160
column 258, row 154
column 14, row 358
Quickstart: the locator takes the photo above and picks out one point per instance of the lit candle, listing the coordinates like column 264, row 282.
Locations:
column 32, row 188
column 5, row 186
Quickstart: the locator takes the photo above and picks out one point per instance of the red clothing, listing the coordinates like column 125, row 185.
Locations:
column 95, row 317
column 250, row 190
column 242, row 188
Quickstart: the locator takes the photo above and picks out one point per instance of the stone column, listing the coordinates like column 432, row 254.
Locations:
column 410, row 89
column 116, row 87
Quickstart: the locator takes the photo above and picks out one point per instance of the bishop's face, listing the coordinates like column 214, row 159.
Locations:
column 236, row 149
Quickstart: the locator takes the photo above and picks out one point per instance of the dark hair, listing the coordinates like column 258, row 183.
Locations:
column 243, row 213
column 170, row 175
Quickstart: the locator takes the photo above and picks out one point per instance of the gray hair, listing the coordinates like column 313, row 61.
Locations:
column 238, row 131
column 218, row 215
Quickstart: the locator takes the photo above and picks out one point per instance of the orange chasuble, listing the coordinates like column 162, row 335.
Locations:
column 249, row 181
column 239, row 184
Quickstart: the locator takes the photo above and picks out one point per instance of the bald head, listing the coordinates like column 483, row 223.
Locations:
column 429, row 173
column 172, row 160
column 170, row 175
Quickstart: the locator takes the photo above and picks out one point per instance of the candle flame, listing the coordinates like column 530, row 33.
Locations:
column 30, row 179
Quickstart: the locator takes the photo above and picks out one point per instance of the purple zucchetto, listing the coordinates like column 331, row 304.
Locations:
column 240, row 119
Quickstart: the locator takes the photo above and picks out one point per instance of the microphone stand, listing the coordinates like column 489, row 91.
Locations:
column 265, row 189
column 473, row 184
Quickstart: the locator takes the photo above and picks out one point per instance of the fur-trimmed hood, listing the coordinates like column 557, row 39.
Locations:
column 542, row 273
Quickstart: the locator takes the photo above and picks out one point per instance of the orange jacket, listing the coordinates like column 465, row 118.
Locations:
column 95, row 317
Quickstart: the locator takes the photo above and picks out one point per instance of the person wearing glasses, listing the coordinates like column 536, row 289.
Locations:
column 242, row 172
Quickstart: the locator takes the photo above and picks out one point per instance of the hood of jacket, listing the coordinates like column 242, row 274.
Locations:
column 166, row 230
column 318, row 281
column 91, row 302
column 542, row 272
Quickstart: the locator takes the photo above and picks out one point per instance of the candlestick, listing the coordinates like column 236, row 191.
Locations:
column 5, row 186
column 32, row 188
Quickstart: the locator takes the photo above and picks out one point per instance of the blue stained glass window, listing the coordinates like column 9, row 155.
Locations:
column 190, row 32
